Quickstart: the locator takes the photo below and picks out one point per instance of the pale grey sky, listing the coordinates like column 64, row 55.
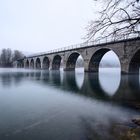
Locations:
column 35, row 26
column 42, row 25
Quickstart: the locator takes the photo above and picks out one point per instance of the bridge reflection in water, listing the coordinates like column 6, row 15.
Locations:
column 110, row 87
column 65, row 105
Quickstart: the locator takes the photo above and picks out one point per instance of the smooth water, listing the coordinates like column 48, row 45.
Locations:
column 57, row 105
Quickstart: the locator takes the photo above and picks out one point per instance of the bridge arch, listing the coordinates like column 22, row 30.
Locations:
column 27, row 64
column 134, row 64
column 94, row 62
column 32, row 64
column 56, row 63
column 38, row 63
column 46, row 63
column 71, row 61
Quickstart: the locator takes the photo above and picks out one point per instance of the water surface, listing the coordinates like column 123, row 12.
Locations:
column 57, row 105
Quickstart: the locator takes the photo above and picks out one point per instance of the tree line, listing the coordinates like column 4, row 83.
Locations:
column 8, row 56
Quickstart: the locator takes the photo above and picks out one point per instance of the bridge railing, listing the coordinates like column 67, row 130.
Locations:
column 84, row 44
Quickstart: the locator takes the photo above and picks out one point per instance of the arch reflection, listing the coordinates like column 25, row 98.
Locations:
column 109, row 79
column 79, row 76
column 92, row 87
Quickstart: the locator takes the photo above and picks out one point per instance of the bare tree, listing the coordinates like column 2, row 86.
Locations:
column 17, row 55
column 6, row 58
column 118, row 20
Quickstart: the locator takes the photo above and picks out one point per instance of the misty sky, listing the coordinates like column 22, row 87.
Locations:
column 41, row 25
column 33, row 26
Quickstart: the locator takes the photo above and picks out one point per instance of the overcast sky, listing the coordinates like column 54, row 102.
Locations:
column 33, row 26
column 41, row 25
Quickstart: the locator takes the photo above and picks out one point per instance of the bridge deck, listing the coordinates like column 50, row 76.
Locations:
column 82, row 45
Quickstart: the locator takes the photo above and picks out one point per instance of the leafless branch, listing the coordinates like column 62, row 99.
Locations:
column 120, row 18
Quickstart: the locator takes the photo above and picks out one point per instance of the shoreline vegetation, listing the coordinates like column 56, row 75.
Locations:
column 8, row 56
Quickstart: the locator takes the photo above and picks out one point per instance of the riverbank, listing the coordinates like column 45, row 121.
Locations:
column 130, row 131
column 116, row 131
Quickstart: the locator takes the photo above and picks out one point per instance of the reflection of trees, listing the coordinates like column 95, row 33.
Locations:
column 8, row 79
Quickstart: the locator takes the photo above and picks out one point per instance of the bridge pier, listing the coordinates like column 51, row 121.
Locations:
column 124, row 67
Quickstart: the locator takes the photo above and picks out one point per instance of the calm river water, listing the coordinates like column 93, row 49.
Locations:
column 42, row 105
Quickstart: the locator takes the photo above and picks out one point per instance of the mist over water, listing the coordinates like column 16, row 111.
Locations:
column 64, row 105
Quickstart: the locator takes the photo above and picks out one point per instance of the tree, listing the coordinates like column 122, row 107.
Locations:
column 17, row 55
column 6, row 58
column 118, row 20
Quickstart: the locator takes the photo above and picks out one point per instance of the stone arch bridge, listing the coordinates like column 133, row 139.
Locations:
column 128, row 52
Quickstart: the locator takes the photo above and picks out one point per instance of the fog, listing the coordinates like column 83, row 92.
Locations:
column 34, row 26
column 40, row 25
